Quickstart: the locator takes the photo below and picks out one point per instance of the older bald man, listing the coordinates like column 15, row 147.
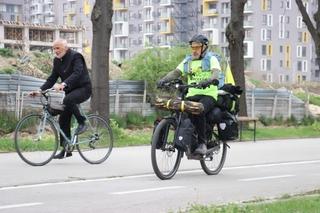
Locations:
column 70, row 67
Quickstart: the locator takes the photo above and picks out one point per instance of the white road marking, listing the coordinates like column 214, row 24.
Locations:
column 20, row 205
column 152, row 175
column 267, row 178
column 147, row 190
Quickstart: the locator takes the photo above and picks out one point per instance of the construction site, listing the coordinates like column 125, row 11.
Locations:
column 28, row 37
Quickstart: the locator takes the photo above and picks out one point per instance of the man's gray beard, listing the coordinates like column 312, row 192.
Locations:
column 195, row 57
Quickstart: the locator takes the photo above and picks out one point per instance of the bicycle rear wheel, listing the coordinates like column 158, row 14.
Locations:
column 96, row 143
column 36, row 140
column 164, row 156
column 213, row 162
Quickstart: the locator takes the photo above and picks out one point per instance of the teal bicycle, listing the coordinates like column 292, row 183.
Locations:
column 36, row 136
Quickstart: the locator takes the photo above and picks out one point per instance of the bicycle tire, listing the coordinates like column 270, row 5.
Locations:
column 212, row 166
column 164, row 134
column 99, row 139
column 36, row 144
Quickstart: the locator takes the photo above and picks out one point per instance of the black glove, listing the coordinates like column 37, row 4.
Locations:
column 207, row 83
column 160, row 83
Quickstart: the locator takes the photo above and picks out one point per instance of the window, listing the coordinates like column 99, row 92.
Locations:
column 288, row 4
column 265, row 64
column 287, row 78
column 299, row 66
column 264, row 49
column 281, row 26
column 268, row 64
column 264, row 19
column 305, row 37
column 269, row 20
column 300, row 36
column 287, row 19
column 269, row 77
column 269, row 49
column 281, row 48
column 281, row 63
column 281, row 78
column 263, row 34
column 304, row 66
column 287, row 34
column 269, row 35
column 299, row 22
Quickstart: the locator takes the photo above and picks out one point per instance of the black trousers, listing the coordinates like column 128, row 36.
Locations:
column 199, row 121
column 70, row 101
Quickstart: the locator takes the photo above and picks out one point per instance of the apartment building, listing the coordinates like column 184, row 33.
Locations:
column 39, row 11
column 278, row 46
column 11, row 10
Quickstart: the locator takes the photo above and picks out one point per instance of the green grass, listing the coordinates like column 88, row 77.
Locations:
column 126, row 137
column 313, row 99
column 299, row 204
column 263, row 133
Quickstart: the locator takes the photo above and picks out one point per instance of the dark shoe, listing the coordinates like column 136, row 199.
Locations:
column 68, row 154
column 202, row 149
column 81, row 128
column 60, row 155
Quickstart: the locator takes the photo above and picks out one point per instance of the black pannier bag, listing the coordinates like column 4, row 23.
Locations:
column 184, row 135
column 229, row 101
column 56, row 109
column 228, row 128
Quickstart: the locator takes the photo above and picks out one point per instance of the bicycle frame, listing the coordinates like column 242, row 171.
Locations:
column 46, row 115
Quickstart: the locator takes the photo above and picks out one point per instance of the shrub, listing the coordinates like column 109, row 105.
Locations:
column 265, row 121
column 7, row 70
column 121, row 121
column 134, row 118
column 8, row 122
column 6, row 52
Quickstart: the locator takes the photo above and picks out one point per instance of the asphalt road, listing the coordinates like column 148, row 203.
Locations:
column 126, row 183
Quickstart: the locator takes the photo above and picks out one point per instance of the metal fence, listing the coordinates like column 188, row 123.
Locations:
column 125, row 96
column 274, row 103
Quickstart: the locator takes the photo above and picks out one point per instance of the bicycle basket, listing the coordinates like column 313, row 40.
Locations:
column 182, row 106
column 55, row 109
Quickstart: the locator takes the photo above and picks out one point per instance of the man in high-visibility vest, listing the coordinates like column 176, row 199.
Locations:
column 199, row 67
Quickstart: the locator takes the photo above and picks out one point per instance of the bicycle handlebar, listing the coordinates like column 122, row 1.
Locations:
column 178, row 84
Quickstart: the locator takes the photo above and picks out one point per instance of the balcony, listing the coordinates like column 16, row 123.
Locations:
column 120, row 5
column 165, row 3
column 248, row 9
column 210, row 9
column 166, row 27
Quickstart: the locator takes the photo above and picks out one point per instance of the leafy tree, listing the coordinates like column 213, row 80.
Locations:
column 235, row 36
column 152, row 64
column 101, row 18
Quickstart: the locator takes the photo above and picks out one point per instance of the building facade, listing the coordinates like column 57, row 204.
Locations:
column 278, row 46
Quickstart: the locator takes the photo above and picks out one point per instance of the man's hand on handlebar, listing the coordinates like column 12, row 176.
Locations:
column 204, row 84
column 161, row 83
column 35, row 93
column 59, row 87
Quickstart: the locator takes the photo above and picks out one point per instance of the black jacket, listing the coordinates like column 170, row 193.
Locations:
column 72, row 70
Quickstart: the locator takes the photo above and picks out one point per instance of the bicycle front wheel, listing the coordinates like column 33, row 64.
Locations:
column 96, row 143
column 164, row 156
column 213, row 162
column 36, row 140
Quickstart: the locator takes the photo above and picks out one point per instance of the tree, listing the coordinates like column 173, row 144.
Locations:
column 313, row 30
column 235, row 35
column 101, row 18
